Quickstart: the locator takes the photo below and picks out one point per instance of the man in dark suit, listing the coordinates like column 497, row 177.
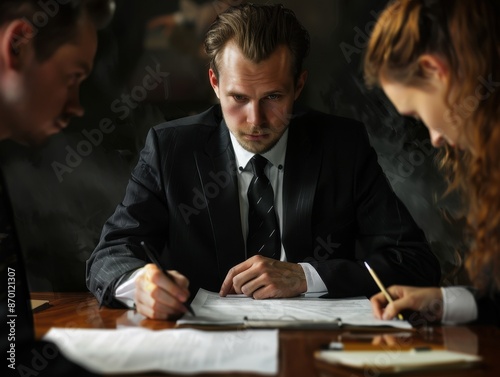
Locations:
column 46, row 51
column 328, row 204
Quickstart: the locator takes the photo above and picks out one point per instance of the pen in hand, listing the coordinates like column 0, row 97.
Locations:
column 381, row 286
column 153, row 259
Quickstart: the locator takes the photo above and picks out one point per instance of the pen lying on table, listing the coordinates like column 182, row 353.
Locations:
column 153, row 259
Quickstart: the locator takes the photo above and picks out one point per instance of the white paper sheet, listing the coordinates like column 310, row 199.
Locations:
column 399, row 361
column 210, row 308
column 184, row 351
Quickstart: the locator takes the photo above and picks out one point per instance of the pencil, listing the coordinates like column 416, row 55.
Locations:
column 153, row 259
column 381, row 286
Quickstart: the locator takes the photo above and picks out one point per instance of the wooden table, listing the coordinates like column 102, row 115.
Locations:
column 80, row 310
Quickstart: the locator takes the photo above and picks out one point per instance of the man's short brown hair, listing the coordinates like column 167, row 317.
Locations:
column 54, row 22
column 258, row 30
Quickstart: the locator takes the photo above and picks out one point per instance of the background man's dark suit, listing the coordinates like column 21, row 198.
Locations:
column 338, row 209
column 24, row 356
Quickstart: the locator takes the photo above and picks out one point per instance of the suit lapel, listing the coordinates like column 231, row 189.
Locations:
column 302, row 167
column 217, row 171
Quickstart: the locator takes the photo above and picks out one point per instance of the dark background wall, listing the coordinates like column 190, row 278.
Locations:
column 64, row 192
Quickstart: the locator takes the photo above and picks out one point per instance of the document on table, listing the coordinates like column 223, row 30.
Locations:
column 175, row 351
column 384, row 361
column 211, row 309
column 38, row 305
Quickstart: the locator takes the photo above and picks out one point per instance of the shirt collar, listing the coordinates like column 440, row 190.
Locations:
column 276, row 155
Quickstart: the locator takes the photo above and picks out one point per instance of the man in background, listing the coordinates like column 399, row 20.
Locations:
column 46, row 51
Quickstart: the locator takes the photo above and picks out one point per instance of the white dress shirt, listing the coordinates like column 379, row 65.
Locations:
column 274, row 170
column 459, row 305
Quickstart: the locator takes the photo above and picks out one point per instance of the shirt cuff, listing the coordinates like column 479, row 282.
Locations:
column 313, row 280
column 459, row 306
column 125, row 292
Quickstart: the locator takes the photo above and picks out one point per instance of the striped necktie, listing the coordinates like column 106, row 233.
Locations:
column 263, row 230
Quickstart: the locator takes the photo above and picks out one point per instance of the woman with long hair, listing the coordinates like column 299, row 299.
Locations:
column 439, row 61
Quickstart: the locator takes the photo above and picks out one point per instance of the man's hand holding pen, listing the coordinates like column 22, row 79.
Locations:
column 161, row 294
column 158, row 297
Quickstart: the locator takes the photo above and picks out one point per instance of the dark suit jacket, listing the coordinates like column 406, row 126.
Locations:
column 488, row 309
column 338, row 209
column 26, row 354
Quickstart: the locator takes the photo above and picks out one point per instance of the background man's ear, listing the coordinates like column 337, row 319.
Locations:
column 15, row 42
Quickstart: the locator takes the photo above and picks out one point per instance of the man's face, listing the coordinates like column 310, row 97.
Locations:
column 45, row 95
column 256, row 98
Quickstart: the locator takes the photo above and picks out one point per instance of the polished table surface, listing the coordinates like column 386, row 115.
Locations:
column 296, row 347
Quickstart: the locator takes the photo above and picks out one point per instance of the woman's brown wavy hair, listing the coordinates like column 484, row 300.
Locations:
column 466, row 35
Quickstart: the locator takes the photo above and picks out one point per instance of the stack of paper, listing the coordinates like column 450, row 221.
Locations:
column 299, row 312
column 176, row 351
